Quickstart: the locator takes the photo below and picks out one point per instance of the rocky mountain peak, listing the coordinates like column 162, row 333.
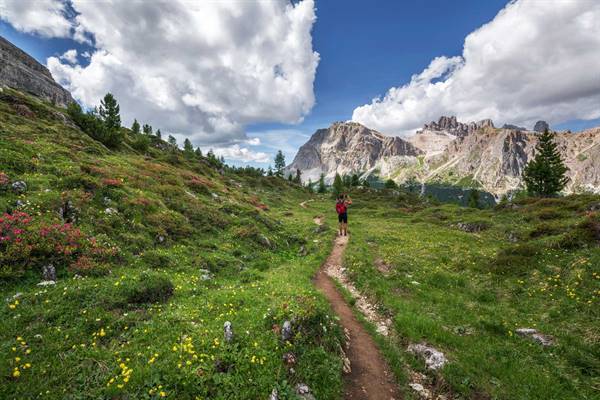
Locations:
column 452, row 126
column 541, row 126
column 347, row 148
column 20, row 71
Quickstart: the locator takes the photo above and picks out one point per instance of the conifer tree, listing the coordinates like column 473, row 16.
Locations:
column 298, row 177
column 158, row 134
column 322, row 188
column 309, row 186
column 279, row 163
column 338, row 185
column 355, row 181
column 545, row 175
column 198, row 152
column 172, row 141
column 270, row 171
column 390, row 184
column 147, row 129
column 111, row 119
column 188, row 148
column 135, row 127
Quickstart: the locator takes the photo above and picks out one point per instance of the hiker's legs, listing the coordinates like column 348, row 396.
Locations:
column 341, row 228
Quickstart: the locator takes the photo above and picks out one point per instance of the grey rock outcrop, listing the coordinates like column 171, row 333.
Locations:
column 513, row 127
column 541, row 126
column 452, row 126
column 347, row 148
column 20, row 71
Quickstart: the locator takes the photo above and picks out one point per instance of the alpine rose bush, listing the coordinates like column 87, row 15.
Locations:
column 27, row 244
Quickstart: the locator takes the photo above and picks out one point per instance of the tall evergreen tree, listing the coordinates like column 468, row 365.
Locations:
column 545, row 175
column 390, row 184
column 172, row 141
column 147, row 129
column 298, row 177
column 270, row 171
column 279, row 163
column 198, row 152
column 188, row 148
column 158, row 134
column 309, row 186
column 109, row 114
column 338, row 185
column 322, row 188
column 135, row 127
column 355, row 181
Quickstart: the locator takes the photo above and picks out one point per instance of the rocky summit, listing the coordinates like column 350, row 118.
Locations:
column 18, row 70
column 349, row 147
column 474, row 154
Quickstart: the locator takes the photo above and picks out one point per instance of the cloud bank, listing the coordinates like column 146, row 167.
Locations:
column 200, row 69
column 534, row 60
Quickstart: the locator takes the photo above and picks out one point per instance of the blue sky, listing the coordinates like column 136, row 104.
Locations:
column 365, row 51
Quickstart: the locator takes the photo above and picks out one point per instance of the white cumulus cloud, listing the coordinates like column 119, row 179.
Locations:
column 201, row 69
column 238, row 153
column 46, row 18
column 534, row 60
column 70, row 56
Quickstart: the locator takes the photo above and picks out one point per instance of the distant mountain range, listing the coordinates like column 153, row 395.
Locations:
column 475, row 154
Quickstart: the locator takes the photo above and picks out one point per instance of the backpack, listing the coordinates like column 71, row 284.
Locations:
column 340, row 207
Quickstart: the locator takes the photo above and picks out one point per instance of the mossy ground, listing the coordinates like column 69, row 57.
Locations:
column 466, row 293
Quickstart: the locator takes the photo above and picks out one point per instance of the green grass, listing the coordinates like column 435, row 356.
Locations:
column 466, row 294
column 146, row 323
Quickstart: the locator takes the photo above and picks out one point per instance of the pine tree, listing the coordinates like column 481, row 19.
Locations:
column 474, row 198
column 135, row 127
column 279, row 163
column 309, row 186
column 109, row 114
column 158, row 134
column 147, row 129
column 172, row 141
column 545, row 175
column 270, row 171
column 322, row 188
column 355, row 181
column 298, row 178
column 338, row 185
column 188, row 148
column 198, row 152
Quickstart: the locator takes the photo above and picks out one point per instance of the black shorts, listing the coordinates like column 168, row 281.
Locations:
column 343, row 217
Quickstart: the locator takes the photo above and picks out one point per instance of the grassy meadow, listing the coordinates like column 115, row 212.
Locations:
column 533, row 264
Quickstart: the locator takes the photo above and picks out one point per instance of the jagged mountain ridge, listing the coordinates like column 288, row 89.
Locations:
column 447, row 151
column 20, row 71
column 345, row 148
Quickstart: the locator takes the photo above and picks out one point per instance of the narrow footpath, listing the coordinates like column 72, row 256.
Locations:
column 369, row 378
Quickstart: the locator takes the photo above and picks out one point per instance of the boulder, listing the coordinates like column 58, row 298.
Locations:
column 19, row 187
column 68, row 213
column 49, row 273
column 472, row 227
column 303, row 391
column 286, row 331
column 544, row 340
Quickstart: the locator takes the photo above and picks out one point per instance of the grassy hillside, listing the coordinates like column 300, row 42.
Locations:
column 154, row 252
column 532, row 264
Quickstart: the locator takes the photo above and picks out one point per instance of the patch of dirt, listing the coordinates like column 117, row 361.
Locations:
column 303, row 204
column 318, row 220
column 369, row 376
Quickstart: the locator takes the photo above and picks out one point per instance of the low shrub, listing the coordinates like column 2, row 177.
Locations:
column 514, row 260
column 149, row 288
column 545, row 230
column 158, row 258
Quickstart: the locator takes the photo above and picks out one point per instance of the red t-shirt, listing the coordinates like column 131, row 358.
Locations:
column 340, row 207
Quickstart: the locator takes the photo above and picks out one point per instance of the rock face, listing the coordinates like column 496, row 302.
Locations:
column 20, row 71
column 347, row 148
column 447, row 151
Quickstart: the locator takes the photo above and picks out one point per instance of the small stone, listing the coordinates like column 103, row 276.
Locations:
column 544, row 340
column 286, row 331
column 227, row 332
column 303, row 391
column 205, row 275
column 111, row 211
column 274, row 395
column 289, row 359
column 423, row 393
column 47, row 283
column 49, row 272
column 262, row 239
column 19, row 203
column 19, row 187
column 434, row 359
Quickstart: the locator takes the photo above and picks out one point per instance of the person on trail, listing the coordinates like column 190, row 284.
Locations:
column 341, row 207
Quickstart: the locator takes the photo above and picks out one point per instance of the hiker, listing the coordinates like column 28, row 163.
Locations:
column 341, row 206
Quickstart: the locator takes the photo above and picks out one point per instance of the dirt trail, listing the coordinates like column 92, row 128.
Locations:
column 370, row 377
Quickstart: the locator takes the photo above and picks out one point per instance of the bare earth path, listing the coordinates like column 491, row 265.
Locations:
column 370, row 377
